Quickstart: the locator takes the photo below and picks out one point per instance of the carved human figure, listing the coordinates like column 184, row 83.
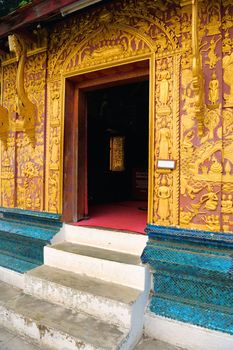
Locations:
column 164, row 77
column 227, row 168
column 227, row 43
column 213, row 59
column 213, row 25
column 163, row 203
column 164, row 139
column 212, row 222
column 214, row 89
column 229, row 203
column 210, row 199
column 216, row 167
column 37, row 202
column 55, row 150
column 55, row 107
column 29, row 201
column 224, row 203
column 187, row 142
column 53, row 192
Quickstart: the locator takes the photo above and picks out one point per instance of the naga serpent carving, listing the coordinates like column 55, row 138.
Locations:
column 26, row 109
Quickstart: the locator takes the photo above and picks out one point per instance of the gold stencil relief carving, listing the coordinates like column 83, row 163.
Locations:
column 167, row 139
column 55, row 110
column 164, row 193
column 4, row 125
column 8, row 150
column 164, row 140
column 27, row 156
column 53, row 191
column 212, row 56
column 211, row 122
column 108, row 36
column 8, row 175
column 164, row 80
column 55, row 149
column 227, row 204
column 228, row 79
column 202, row 167
column 227, row 65
column 213, row 18
column 210, row 199
column 212, row 222
column 138, row 29
column 227, row 25
column 227, row 43
column 213, row 91
column 198, row 83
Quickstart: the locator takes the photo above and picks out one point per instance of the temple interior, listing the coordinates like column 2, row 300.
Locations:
column 117, row 143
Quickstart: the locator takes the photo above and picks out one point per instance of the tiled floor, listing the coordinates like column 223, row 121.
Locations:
column 10, row 341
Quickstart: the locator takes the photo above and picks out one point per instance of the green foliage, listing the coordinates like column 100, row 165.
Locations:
column 8, row 6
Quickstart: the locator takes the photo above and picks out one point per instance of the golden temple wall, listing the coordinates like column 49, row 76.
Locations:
column 198, row 193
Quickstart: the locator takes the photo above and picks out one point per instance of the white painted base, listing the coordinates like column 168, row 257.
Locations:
column 125, row 242
column 11, row 277
column 185, row 335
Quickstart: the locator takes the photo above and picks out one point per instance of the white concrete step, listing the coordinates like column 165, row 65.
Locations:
column 55, row 327
column 111, row 266
column 125, row 242
column 108, row 301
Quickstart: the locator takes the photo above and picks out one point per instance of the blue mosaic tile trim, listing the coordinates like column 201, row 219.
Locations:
column 204, row 317
column 27, row 230
column 19, row 247
column 193, row 289
column 15, row 264
column 159, row 256
column 33, row 217
column 198, row 236
column 23, row 235
column 192, row 276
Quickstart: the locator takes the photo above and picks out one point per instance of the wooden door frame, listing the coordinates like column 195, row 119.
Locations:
column 75, row 190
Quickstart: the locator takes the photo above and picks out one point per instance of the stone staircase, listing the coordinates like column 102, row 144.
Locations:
column 90, row 293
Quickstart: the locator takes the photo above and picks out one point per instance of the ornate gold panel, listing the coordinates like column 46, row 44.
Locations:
column 22, row 166
column 107, row 37
column 198, row 193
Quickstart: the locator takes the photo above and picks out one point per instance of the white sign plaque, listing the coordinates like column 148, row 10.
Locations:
column 166, row 164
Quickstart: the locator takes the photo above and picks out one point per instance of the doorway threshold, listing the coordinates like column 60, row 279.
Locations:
column 121, row 216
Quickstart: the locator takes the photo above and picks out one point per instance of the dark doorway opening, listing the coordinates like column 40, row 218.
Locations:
column 105, row 109
column 117, row 150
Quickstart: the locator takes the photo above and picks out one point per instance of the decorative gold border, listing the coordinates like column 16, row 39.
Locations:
column 151, row 140
column 1, row 146
column 78, row 72
column 176, row 138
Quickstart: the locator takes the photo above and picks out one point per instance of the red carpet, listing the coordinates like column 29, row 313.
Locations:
column 125, row 216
